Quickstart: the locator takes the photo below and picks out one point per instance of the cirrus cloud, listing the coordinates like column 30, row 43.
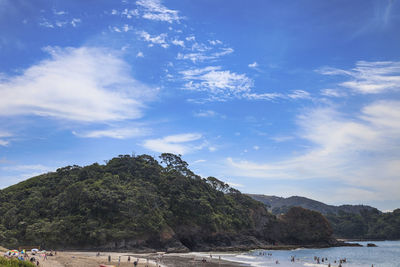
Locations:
column 369, row 77
column 177, row 144
column 361, row 152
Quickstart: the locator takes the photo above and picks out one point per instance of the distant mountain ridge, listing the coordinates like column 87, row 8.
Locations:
column 347, row 221
column 278, row 205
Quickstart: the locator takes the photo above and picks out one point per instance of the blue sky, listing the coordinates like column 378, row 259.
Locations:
column 274, row 97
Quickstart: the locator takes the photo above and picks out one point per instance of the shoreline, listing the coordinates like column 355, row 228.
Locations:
column 90, row 259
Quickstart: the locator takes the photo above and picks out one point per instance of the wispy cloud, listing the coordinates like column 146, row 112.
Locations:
column 299, row 94
column 220, row 84
column 116, row 133
column 178, row 144
column 155, row 10
column 154, row 39
column 71, row 85
column 361, row 152
column 369, row 77
column 177, row 42
column 4, row 134
column 333, row 93
column 54, row 24
column 263, row 96
column 59, row 13
column 253, row 65
column 280, row 139
column 203, row 55
column 206, row 113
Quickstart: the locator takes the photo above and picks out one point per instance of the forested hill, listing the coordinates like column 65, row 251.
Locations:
column 347, row 221
column 135, row 202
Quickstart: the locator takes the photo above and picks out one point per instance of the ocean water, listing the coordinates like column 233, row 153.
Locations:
column 387, row 254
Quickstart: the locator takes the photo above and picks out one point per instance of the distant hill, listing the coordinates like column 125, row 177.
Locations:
column 347, row 221
column 278, row 205
column 137, row 203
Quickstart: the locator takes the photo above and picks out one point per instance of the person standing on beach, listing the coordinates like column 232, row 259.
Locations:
column 109, row 258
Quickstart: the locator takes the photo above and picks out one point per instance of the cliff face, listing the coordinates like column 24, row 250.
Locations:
column 137, row 203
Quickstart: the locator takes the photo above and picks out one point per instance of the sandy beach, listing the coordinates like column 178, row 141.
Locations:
column 89, row 259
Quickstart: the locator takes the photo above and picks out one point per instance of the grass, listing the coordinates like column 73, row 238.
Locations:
column 14, row 263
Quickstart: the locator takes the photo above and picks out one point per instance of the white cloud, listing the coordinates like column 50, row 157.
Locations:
column 212, row 148
column 202, row 55
column 215, row 42
column 369, row 77
column 299, row 94
column 224, row 84
column 75, row 22
column 155, row 39
column 177, row 144
column 253, row 65
column 280, row 139
column 178, row 43
column 220, row 84
column 45, row 23
column 234, row 184
column 205, row 113
column 263, row 96
column 59, row 13
column 53, row 24
column 362, row 152
column 256, row 147
column 117, row 133
column 115, row 29
column 332, row 93
column 4, row 142
column 155, row 10
column 129, row 13
column 61, row 24
column 71, row 85
column 139, row 54
column 4, row 134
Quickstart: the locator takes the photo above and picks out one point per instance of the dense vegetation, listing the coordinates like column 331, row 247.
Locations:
column 14, row 263
column 347, row 221
column 368, row 224
column 134, row 202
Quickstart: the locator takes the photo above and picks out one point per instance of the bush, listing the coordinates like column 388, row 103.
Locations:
column 14, row 263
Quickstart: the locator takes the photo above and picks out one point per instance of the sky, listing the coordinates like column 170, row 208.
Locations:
column 273, row 97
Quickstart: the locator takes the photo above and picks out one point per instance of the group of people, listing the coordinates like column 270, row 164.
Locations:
column 135, row 262
column 32, row 256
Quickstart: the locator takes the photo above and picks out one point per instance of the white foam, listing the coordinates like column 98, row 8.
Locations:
column 245, row 257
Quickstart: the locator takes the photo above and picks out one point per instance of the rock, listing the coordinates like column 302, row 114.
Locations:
column 371, row 245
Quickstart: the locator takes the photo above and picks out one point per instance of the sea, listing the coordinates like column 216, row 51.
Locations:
column 386, row 254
